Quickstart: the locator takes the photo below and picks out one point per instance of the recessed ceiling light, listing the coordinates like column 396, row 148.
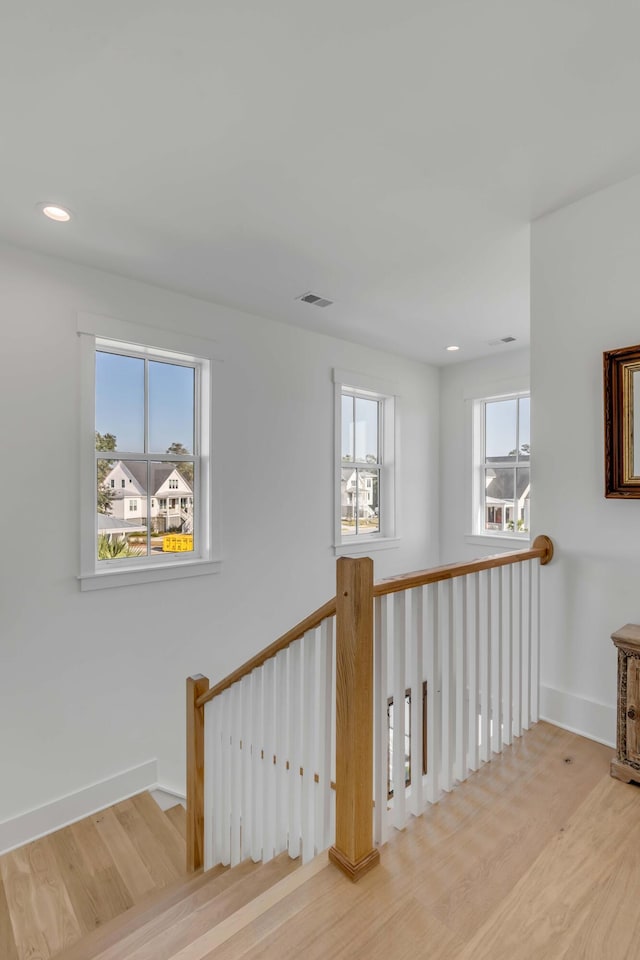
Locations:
column 55, row 212
column 452, row 348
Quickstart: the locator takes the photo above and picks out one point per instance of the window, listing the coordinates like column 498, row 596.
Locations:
column 146, row 426
column 365, row 464
column 502, row 493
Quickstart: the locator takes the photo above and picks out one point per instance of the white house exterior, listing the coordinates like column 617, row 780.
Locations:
column 170, row 500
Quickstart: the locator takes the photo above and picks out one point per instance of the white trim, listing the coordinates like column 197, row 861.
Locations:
column 96, row 330
column 384, row 391
column 475, row 427
column 360, row 548
column 160, row 338
column 362, row 381
column 589, row 718
column 505, row 542
column 170, row 791
column 63, row 811
column 163, row 571
column 495, row 389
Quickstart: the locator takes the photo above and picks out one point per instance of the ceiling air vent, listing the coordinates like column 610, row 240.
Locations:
column 315, row 300
column 496, row 343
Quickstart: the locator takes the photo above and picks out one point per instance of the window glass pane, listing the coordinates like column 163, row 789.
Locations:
column 348, row 501
column 368, row 501
column 347, row 427
column 525, row 432
column 172, row 489
column 500, row 429
column 366, row 430
column 499, row 498
column 523, row 493
column 119, row 402
column 171, row 404
column 122, row 509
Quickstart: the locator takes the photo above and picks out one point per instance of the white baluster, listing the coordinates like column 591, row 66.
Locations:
column 332, row 800
column 399, row 687
column 507, row 647
column 461, row 767
column 257, row 766
column 473, row 651
column 217, row 796
column 308, row 742
column 434, row 722
column 416, row 675
column 209, row 782
column 323, row 752
column 484, row 618
column 225, row 786
column 235, row 772
column 269, row 770
column 295, row 758
column 495, row 584
column 517, row 651
column 380, row 723
column 535, row 643
column 526, row 652
column 282, row 750
column 447, row 628
column 247, row 771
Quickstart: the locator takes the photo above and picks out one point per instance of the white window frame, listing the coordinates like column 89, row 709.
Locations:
column 370, row 388
column 478, row 534
column 98, row 333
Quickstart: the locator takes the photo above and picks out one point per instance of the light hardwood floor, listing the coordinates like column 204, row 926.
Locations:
column 57, row 889
column 535, row 857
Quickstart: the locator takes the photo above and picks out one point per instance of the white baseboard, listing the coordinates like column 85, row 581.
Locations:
column 172, row 791
column 75, row 806
column 596, row 721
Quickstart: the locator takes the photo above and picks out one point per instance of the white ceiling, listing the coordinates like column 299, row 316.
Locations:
column 387, row 154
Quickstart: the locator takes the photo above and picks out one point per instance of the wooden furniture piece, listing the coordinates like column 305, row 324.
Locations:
column 626, row 766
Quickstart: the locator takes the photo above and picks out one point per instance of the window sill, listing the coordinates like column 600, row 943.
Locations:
column 361, row 548
column 125, row 578
column 498, row 540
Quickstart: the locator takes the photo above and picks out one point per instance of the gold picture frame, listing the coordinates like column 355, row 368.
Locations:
column 621, row 411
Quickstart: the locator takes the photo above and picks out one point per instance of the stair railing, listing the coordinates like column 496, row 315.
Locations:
column 364, row 712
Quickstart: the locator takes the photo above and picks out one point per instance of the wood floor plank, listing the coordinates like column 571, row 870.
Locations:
column 42, row 916
column 114, row 934
column 121, row 846
column 163, row 830
column 184, row 932
column 178, row 818
column 8, row 949
column 155, row 922
column 157, row 861
column 556, row 910
column 462, row 884
column 83, row 891
column 113, row 893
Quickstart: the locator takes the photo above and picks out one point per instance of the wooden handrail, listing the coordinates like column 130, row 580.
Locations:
column 542, row 547
column 309, row 623
column 354, row 851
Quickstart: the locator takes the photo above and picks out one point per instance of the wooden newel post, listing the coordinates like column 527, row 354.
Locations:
column 354, row 851
column 196, row 686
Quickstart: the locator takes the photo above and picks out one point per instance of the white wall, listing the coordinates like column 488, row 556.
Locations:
column 93, row 683
column 585, row 300
column 504, row 372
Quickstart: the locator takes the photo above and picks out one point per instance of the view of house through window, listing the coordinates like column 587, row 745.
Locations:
column 146, row 463
column 361, row 465
column 505, row 469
